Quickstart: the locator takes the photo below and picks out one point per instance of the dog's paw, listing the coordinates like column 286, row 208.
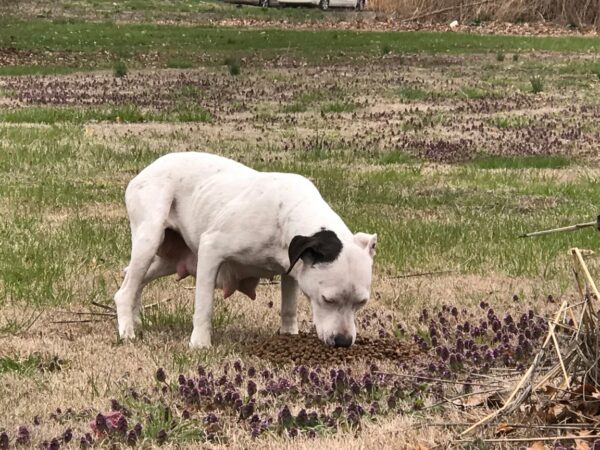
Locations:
column 126, row 331
column 290, row 329
column 198, row 345
column 200, row 339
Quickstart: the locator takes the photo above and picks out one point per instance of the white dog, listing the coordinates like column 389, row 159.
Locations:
column 229, row 225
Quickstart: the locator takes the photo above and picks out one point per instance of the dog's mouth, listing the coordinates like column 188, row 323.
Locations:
column 337, row 340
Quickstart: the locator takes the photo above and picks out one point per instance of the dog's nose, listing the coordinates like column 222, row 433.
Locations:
column 341, row 340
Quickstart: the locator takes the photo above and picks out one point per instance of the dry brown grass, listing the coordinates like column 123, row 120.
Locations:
column 580, row 12
column 96, row 368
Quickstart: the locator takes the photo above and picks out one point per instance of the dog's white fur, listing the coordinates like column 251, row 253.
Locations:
column 229, row 225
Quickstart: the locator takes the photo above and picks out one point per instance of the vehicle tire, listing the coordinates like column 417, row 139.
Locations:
column 324, row 5
column 360, row 5
column 264, row 3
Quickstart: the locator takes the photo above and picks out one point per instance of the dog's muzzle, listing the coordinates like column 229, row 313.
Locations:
column 341, row 340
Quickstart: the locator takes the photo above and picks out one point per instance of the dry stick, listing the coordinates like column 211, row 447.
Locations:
column 586, row 272
column 565, row 426
column 577, row 226
column 560, row 359
column 439, row 11
column 578, row 261
column 421, row 274
column 507, row 407
column 531, row 439
column 152, row 305
column 100, row 305
column 439, row 380
column 458, row 397
column 552, row 372
column 83, row 313
column 77, row 321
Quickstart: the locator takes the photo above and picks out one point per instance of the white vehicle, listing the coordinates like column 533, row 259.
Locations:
column 325, row 4
column 359, row 5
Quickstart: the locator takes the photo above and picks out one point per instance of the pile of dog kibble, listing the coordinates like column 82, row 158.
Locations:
column 306, row 348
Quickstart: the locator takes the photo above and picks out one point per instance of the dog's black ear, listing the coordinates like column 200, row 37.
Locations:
column 323, row 246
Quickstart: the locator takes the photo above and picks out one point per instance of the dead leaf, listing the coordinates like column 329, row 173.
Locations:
column 538, row 446
column 553, row 412
column 581, row 444
column 503, row 429
column 549, row 389
column 420, row 447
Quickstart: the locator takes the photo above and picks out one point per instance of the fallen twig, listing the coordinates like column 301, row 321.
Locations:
column 160, row 302
column 458, row 397
column 530, row 439
column 76, row 321
column 100, row 305
column 84, row 313
column 439, row 380
column 421, row 274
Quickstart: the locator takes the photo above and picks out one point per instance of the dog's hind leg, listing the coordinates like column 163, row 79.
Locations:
column 145, row 242
column 159, row 267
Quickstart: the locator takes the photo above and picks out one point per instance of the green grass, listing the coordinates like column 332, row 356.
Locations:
column 179, row 63
column 537, row 84
column 522, row 162
column 25, row 366
column 447, row 216
column 396, row 157
column 411, row 93
column 119, row 69
column 511, row 121
column 474, row 93
column 130, row 40
column 338, row 107
column 29, row 365
column 305, row 100
column 126, row 113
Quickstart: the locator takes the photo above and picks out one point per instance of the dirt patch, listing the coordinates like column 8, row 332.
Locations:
column 306, row 348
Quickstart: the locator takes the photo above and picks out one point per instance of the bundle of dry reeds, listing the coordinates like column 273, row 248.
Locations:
column 579, row 12
column 566, row 369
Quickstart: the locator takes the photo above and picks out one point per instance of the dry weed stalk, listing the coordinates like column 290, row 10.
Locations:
column 577, row 356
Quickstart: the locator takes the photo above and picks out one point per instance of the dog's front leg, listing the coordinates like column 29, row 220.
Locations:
column 289, row 305
column 209, row 261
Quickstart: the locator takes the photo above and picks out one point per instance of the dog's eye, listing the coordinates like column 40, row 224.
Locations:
column 327, row 300
column 361, row 303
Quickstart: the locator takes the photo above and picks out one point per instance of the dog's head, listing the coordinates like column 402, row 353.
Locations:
column 336, row 277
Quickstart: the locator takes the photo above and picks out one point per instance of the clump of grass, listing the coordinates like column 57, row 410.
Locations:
column 499, row 56
column 30, row 364
column 473, row 93
column 411, row 93
column 119, row 69
column 510, row 121
column 307, row 99
column 537, row 84
column 338, row 107
column 386, row 49
column 233, row 65
column 515, row 57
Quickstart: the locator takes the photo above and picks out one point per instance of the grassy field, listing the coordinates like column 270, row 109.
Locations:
column 447, row 145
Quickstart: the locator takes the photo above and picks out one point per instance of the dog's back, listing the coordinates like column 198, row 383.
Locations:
column 180, row 170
